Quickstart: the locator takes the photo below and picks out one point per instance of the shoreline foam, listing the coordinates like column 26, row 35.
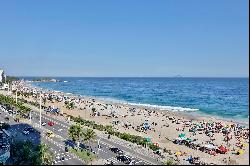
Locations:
column 182, row 111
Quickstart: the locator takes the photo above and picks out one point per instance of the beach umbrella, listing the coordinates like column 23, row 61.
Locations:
column 148, row 139
column 240, row 151
column 179, row 139
column 222, row 149
column 244, row 145
column 182, row 135
column 178, row 153
column 156, row 144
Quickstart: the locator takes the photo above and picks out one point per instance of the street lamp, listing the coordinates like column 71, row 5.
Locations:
column 98, row 142
column 16, row 96
column 40, row 110
column 30, row 116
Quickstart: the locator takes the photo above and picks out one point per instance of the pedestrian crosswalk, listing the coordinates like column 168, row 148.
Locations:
column 62, row 156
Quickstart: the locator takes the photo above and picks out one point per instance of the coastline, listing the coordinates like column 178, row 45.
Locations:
column 188, row 113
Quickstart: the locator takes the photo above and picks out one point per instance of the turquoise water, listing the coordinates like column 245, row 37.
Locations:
column 223, row 97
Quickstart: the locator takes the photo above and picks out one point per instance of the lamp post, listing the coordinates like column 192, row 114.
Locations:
column 98, row 142
column 30, row 116
column 40, row 110
column 16, row 96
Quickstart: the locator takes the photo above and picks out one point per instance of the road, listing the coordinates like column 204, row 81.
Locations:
column 57, row 143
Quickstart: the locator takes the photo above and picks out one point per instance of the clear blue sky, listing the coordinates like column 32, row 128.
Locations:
column 124, row 37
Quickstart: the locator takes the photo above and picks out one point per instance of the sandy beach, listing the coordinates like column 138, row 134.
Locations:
column 165, row 126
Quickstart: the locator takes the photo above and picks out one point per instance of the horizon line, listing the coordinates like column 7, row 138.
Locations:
column 142, row 76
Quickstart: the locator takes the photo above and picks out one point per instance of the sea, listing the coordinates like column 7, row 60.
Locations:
column 226, row 98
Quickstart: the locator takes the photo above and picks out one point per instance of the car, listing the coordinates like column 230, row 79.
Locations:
column 25, row 132
column 60, row 129
column 109, row 163
column 7, row 118
column 132, row 162
column 50, row 134
column 66, row 149
column 116, row 150
column 43, row 124
column 51, row 123
column 124, row 159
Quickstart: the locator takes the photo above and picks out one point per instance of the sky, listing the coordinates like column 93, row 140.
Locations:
column 125, row 38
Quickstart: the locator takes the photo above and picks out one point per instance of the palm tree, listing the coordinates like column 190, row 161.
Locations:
column 109, row 129
column 44, row 100
column 45, row 157
column 89, row 135
column 75, row 132
column 93, row 111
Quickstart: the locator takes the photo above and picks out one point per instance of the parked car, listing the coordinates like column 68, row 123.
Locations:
column 51, row 123
column 7, row 118
column 43, row 124
column 116, row 150
column 132, row 162
column 50, row 134
column 124, row 159
column 66, row 149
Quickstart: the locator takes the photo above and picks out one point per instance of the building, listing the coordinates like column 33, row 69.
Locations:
column 4, row 146
column 2, row 76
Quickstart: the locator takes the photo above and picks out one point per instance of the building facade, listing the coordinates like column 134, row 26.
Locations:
column 2, row 76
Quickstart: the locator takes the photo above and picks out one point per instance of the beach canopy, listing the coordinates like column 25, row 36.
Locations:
column 188, row 139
